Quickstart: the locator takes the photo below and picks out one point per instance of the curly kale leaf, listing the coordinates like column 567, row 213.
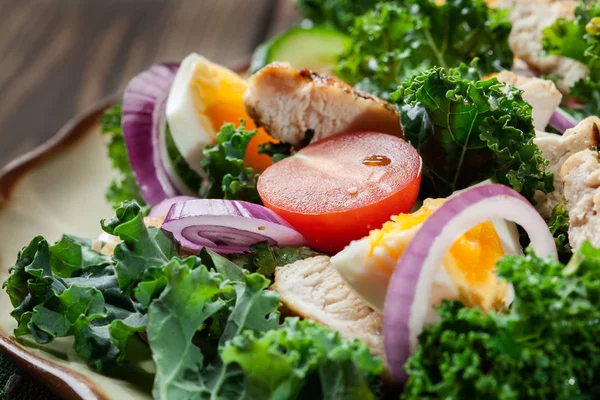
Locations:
column 228, row 177
column 302, row 360
column 545, row 346
column 211, row 302
column 277, row 151
column 190, row 310
column 69, row 290
column 192, row 296
column 395, row 40
column 339, row 13
column 72, row 254
column 558, row 223
column 123, row 188
column 264, row 258
column 468, row 131
column 586, row 91
column 579, row 39
column 142, row 248
column 306, row 358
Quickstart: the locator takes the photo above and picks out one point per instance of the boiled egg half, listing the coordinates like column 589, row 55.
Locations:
column 204, row 96
column 466, row 274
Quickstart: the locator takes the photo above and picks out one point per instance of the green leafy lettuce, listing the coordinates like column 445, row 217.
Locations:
column 544, row 347
column 124, row 187
column 228, row 177
column 394, row 40
column 579, row 39
column 468, row 130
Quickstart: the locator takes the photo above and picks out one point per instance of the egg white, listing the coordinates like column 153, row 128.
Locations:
column 191, row 129
column 370, row 282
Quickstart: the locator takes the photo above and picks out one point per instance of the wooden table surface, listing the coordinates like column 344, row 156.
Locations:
column 58, row 57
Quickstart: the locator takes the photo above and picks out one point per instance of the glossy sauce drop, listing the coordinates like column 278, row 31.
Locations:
column 376, row 161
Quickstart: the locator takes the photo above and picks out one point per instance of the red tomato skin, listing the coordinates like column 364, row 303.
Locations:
column 298, row 188
column 330, row 233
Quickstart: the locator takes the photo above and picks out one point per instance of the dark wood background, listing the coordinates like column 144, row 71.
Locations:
column 59, row 57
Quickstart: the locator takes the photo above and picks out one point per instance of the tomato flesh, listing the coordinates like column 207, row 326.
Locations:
column 338, row 189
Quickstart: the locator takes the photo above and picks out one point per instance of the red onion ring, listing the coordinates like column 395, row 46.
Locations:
column 162, row 208
column 227, row 226
column 561, row 121
column 144, row 122
column 407, row 300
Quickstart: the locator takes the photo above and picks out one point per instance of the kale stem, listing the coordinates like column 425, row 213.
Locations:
column 464, row 149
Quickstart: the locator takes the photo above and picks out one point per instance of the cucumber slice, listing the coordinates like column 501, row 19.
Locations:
column 315, row 48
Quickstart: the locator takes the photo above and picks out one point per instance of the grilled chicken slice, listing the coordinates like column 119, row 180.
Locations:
column 540, row 93
column 581, row 176
column 299, row 107
column 529, row 18
column 312, row 289
column 557, row 149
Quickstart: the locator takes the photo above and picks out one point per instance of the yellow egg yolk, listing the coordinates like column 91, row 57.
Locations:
column 218, row 95
column 470, row 262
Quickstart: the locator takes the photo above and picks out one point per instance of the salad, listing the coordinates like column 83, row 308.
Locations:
column 399, row 200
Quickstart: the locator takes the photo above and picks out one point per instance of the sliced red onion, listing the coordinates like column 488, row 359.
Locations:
column 407, row 301
column 144, row 123
column 227, row 226
column 162, row 208
column 561, row 121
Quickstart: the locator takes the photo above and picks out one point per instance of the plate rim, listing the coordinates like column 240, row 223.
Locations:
column 61, row 380
column 68, row 135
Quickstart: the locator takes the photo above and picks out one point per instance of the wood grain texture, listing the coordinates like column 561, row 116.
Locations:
column 57, row 57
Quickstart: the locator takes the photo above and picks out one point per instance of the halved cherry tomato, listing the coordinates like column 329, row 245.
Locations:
column 340, row 188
